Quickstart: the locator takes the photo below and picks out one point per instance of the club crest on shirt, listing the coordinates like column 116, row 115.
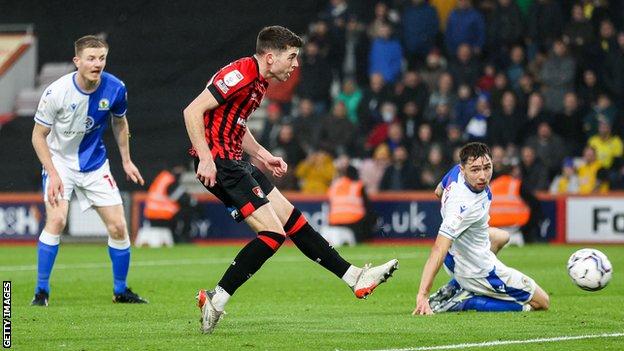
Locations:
column 259, row 193
column 232, row 78
column 103, row 105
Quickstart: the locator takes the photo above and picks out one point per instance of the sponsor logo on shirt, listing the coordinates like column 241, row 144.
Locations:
column 103, row 105
column 232, row 78
column 89, row 122
column 221, row 85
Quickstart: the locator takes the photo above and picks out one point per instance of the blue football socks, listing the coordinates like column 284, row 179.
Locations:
column 119, row 252
column 47, row 248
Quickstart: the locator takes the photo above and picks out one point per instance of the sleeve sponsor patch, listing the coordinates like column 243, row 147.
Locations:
column 222, row 86
column 232, row 78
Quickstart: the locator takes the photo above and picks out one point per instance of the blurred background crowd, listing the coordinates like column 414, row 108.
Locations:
column 396, row 89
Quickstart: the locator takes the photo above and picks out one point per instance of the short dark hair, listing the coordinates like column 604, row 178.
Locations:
column 276, row 38
column 474, row 151
column 89, row 41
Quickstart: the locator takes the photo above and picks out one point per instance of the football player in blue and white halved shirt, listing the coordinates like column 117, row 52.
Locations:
column 69, row 123
column 486, row 284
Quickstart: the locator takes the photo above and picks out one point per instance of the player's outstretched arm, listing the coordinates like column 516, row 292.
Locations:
column 55, row 185
column 275, row 164
column 194, row 121
column 121, row 130
column 434, row 262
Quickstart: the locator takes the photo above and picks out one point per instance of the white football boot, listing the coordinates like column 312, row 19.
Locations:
column 209, row 315
column 371, row 277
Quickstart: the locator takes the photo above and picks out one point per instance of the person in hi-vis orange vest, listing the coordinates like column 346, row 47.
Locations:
column 507, row 209
column 168, row 202
column 348, row 204
column 159, row 206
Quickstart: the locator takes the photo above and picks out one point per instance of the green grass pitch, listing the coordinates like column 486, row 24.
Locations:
column 293, row 303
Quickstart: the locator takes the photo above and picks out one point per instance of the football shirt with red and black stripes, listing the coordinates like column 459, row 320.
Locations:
column 238, row 88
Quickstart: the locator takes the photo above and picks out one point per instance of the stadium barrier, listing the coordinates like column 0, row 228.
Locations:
column 404, row 217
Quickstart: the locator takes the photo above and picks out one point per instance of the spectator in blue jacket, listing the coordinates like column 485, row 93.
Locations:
column 386, row 55
column 465, row 25
column 420, row 26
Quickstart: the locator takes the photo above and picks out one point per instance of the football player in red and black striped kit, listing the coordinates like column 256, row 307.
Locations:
column 216, row 122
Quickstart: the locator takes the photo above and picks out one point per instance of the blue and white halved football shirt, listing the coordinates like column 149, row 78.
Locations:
column 78, row 120
column 465, row 216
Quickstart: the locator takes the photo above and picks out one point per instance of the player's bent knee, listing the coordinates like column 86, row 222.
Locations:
column 264, row 219
column 117, row 230
column 540, row 300
column 56, row 223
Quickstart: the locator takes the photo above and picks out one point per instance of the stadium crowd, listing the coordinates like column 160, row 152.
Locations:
column 398, row 86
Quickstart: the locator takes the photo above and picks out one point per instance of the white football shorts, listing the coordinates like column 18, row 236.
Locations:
column 503, row 283
column 95, row 188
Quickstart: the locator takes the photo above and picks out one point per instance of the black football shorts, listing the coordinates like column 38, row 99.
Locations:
column 241, row 186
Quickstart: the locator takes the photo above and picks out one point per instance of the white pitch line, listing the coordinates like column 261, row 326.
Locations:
column 506, row 342
column 182, row 262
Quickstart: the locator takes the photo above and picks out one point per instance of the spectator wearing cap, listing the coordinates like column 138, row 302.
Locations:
column 567, row 182
column 608, row 146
